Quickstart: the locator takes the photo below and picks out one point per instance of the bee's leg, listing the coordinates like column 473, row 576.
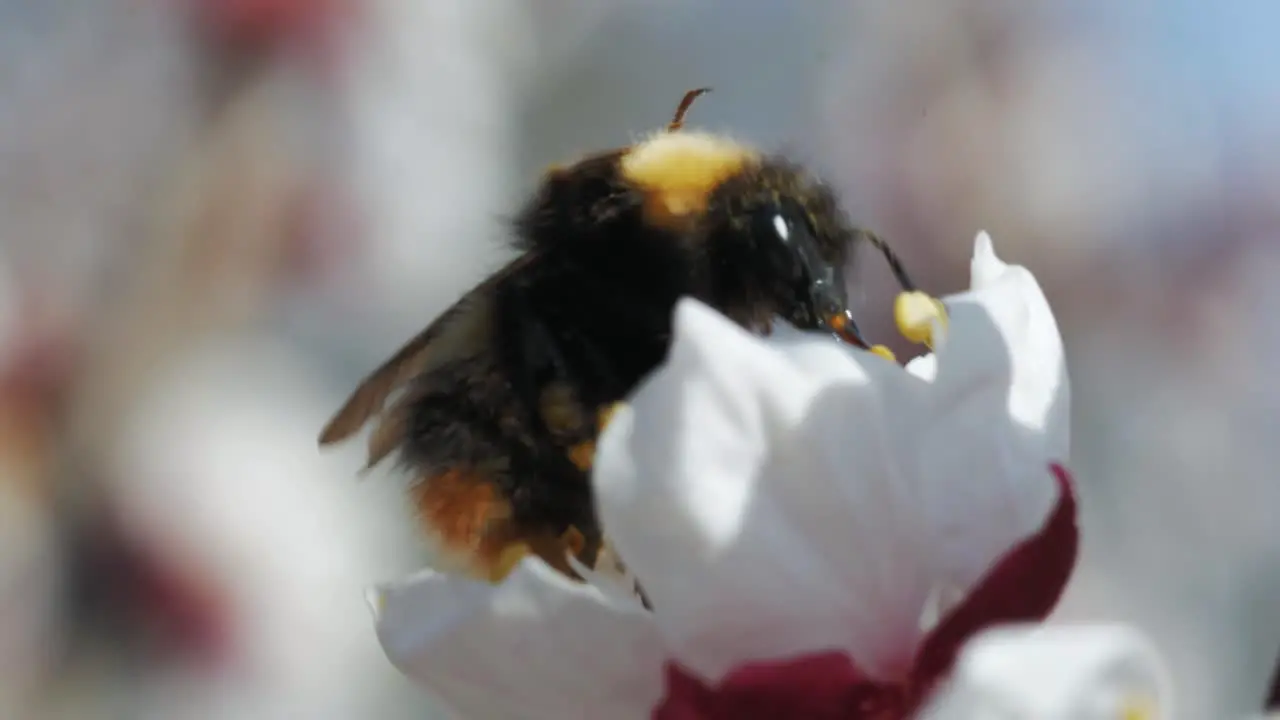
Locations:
column 563, row 428
column 542, row 372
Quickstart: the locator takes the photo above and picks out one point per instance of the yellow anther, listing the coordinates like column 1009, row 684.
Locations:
column 884, row 352
column 1137, row 708
column 507, row 560
column 916, row 315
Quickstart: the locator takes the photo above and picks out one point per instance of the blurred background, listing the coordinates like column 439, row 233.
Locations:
column 217, row 215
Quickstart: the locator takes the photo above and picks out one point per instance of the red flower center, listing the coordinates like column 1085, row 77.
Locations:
column 1024, row 585
column 823, row 686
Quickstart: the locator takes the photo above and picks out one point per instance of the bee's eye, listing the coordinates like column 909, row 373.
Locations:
column 776, row 234
column 787, row 221
column 784, row 220
column 782, row 227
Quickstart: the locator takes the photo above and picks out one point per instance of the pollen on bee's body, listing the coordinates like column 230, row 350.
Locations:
column 506, row 561
column 678, row 171
column 582, row 455
column 574, row 540
column 607, row 413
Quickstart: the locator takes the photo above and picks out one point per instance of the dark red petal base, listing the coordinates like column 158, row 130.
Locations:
column 817, row 687
column 1024, row 585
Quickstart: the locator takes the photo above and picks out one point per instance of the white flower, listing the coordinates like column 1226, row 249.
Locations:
column 214, row 485
column 1085, row 672
column 536, row 646
column 779, row 497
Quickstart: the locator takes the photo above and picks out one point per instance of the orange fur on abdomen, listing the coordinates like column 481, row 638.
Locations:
column 466, row 513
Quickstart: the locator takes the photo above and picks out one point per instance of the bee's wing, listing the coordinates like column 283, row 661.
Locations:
column 463, row 329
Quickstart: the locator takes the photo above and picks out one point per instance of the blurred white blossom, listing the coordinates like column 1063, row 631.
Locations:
column 218, row 476
column 1067, row 672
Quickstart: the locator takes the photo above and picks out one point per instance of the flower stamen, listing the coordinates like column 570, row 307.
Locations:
column 921, row 318
column 1137, row 708
column 883, row 352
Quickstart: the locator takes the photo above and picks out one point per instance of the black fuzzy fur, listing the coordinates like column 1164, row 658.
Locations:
column 589, row 304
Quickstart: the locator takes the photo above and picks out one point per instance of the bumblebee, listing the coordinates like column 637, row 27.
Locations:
column 500, row 400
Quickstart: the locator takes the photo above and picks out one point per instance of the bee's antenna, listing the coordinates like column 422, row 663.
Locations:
column 686, row 102
column 891, row 257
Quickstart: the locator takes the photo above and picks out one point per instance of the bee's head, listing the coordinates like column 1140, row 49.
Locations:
column 779, row 244
column 772, row 238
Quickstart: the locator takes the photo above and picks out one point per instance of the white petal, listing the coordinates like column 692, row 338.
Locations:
column 924, row 366
column 728, row 488
column 1040, row 393
column 536, row 646
column 985, row 267
column 1016, row 304
column 1000, row 413
column 1087, row 672
column 793, row 494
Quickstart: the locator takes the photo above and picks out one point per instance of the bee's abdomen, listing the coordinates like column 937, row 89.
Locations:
column 467, row 419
